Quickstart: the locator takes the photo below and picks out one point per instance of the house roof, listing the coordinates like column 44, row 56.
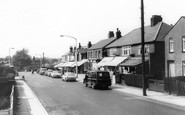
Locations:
column 179, row 22
column 82, row 50
column 102, row 43
column 154, row 33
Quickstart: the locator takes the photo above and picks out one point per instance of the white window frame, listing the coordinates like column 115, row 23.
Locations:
column 113, row 51
column 183, row 43
column 171, row 45
column 183, row 68
column 126, row 50
column 147, row 49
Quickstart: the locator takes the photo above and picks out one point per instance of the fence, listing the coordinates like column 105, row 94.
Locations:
column 175, row 85
column 156, row 85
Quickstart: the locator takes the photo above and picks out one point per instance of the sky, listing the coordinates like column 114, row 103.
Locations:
column 36, row 25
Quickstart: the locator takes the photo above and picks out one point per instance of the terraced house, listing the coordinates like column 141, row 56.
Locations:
column 98, row 52
column 130, row 46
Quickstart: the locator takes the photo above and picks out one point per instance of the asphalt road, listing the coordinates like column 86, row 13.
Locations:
column 73, row 98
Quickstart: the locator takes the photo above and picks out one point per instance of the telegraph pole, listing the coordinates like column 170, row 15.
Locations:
column 43, row 62
column 143, row 49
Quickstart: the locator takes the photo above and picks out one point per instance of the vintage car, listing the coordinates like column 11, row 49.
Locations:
column 97, row 78
column 55, row 74
column 69, row 76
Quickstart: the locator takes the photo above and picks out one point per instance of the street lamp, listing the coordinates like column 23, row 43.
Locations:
column 75, row 52
column 10, row 56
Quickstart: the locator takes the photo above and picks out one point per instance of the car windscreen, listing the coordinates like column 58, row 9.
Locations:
column 103, row 74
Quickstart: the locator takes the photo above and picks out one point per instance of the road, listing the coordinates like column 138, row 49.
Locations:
column 73, row 98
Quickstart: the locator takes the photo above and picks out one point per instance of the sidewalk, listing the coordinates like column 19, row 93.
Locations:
column 25, row 101
column 153, row 95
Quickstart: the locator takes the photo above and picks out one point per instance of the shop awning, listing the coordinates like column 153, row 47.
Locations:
column 133, row 62
column 63, row 65
column 59, row 65
column 69, row 64
column 116, row 61
column 105, row 61
column 82, row 62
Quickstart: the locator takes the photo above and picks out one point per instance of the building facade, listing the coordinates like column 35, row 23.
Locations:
column 175, row 50
column 130, row 46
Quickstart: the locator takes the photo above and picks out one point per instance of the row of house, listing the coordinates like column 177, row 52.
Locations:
column 164, row 51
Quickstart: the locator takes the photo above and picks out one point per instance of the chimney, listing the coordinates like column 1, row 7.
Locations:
column 89, row 44
column 110, row 34
column 71, row 49
column 79, row 46
column 118, row 34
column 155, row 20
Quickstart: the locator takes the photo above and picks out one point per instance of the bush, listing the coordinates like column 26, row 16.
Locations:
column 134, row 80
column 5, row 92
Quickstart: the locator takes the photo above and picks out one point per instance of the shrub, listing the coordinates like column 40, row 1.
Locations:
column 134, row 80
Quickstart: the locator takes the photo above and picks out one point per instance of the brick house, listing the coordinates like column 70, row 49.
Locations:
column 174, row 81
column 175, row 50
column 130, row 45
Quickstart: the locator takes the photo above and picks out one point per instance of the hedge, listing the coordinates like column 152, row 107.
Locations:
column 134, row 80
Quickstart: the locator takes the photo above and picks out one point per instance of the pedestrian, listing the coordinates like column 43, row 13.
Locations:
column 32, row 71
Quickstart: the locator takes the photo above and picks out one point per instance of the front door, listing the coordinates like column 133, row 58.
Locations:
column 171, row 69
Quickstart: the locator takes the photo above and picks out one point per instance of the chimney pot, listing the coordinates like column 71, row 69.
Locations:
column 155, row 19
column 89, row 44
column 110, row 34
column 118, row 34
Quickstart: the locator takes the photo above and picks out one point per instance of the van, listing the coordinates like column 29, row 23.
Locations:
column 97, row 78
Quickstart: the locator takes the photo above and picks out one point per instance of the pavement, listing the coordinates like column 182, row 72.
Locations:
column 26, row 103
column 153, row 95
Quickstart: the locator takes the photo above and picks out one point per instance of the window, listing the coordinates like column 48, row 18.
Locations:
column 113, row 52
column 147, row 49
column 171, row 46
column 183, row 68
column 99, row 53
column 183, row 43
column 126, row 50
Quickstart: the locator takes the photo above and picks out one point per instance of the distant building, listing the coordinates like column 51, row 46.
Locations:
column 98, row 51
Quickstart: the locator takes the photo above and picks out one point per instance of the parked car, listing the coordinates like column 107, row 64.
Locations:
column 42, row 71
column 48, row 72
column 55, row 74
column 69, row 76
column 97, row 78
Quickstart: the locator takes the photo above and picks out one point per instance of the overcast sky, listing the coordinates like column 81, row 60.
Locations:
column 37, row 24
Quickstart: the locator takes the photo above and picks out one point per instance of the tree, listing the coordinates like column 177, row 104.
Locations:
column 22, row 59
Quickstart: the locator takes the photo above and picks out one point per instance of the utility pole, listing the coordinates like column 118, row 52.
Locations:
column 43, row 62
column 143, row 49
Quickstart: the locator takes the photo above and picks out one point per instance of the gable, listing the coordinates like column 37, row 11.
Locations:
column 178, row 29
